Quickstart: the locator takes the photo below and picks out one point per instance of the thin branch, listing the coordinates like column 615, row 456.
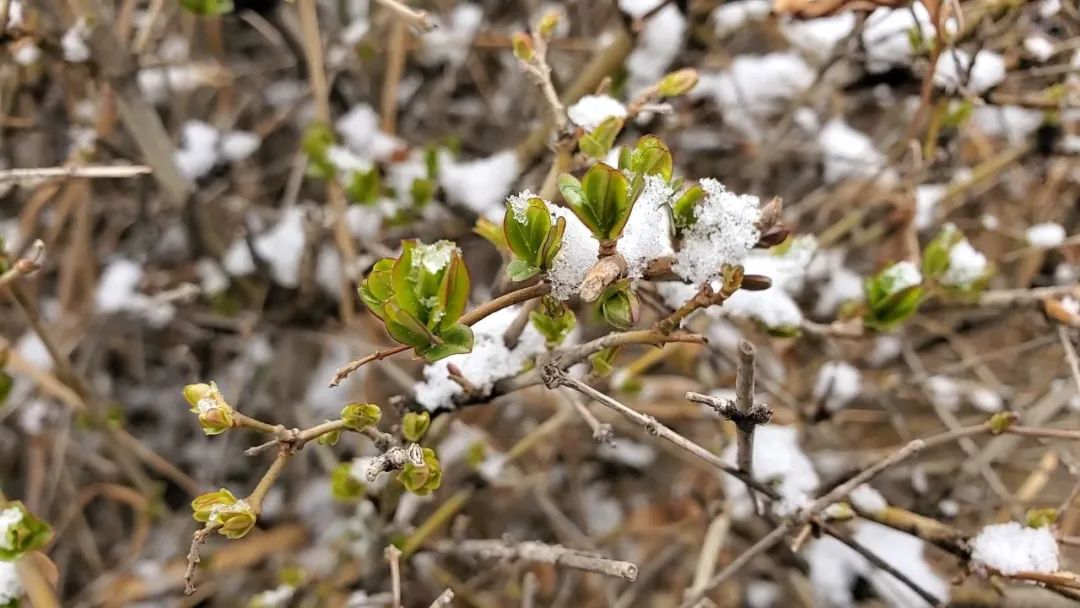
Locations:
column 415, row 18
column 393, row 555
column 601, row 431
column 555, row 377
column 25, row 265
column 532, row 551
column 881, row 564
column 73, row 171
column 193, row 559
column 443, row 600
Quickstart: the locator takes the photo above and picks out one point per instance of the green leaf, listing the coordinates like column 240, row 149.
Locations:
column 407, row 329
column 208, row 8
column 404, row 279
column 491, row 233
column 682, row 211
column 316, row 142
column 6, row 383
column 414, row 425
column 343, row 485
column 527, row 229
column 422, row 192
column 886, row 311
column 576, row 200
column 456, row 340
column 606, row 200
column 26, row 535
column 600, row 140
column 554, row 320
column 453, row 291
column 553, row 243
column 651, row 157
column 365, row 187
column 602, row 361
column 619, row 305
column 936, row 255
column 519, row 270
column 375, row 288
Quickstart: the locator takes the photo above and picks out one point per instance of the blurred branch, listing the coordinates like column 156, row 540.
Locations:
column 72, row 171
column 532, row 551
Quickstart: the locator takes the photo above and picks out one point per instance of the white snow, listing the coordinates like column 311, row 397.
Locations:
column 775, row 307
column 198, row 153
column 27, row 54
column 481, row 184
column 842, row 284
column 1010, row 548
column 277, row 597
column 159, row 83
column 966, row 265
column 658, row 43
column 73, row 43
column 723, row 233
column 955, row 71
column 943, row 391
column 647, row 234
column 949, row 507
column 628, row 452
column 450, row 42
column 211, row 278
column 488, row 362
column 848, row 153
column 732, row 16
column 31, row 349
column 1045, row 235
column 1011, row 122
column 867, row 499
column 927, row 197
column 755, row 88
column 10, row 586
column 779, row 462
column 238, row 145
column 359, row 129
column 901, row 276
column 818, row 37
column 985, row 399
column 578, row 253
column 772, row 308
column 838, row 384
column 887, row 39
column 9, row 517
column 1040, row 47
column 834, row 568
column 282, row 247
column 118, row 290
column 591, row 110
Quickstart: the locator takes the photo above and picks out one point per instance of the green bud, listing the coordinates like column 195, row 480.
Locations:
column 215, row 414
column 204, row 505
column 20, row 531
column 1001, row 421
column 414, row 425
column 422, row 479
column 839, row 511
column 523, row 46
column 344, row 485
column 359, row 416
column 679, row 82
column 330, row 438
column 1039, row 518
column 236, row 520
column 548, row 23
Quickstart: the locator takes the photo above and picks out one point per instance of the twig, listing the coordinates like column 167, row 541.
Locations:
column 1070, row 354
column 715, row 535
column 880, row 563
column 554, row 377
column 601, row 431
column 413, row 17
column 394, row 459
column 469, row 318
column 444, row 599
column 197, row 541
column 73, row 171
column 393, row 555
column 25, row 265
column 532, row 551
column 539, row 71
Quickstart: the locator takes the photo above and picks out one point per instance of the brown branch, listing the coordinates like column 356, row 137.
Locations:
column 393, row 555
column 532, row 551
column 415, row 18
column 25, row 265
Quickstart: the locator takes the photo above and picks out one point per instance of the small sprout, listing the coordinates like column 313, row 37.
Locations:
column 554, row 320
column 547, row 25
column 365, row 187
column 215, row 414
column 234, row 516
column 600, row 140
column 414, row 425
column 682, row 210
column 330, row 438
column 359, row 416
column 602, row 362
column 619, row 305
column 420, row 296
column 422, row 479
column 344, row 485
column 650, row 156
column 679, row 82
column 601, row 200
column 208, row 8
column 316, row 143
column 422, row 192
column 892, row 296
column 20, row 531
column 531, row 235
column 1001, row 421
column 1039, row 518
column 523, row 46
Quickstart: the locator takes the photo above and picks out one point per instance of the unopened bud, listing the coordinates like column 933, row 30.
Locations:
column 548, row 23
column 775, row 235
column 414, row 425
column 20, row 531
column 358, row 416
column 677, row 83
column 205, row 505
column 422, row 479
column 756, row 282
column 523, row 46
column 215, row 415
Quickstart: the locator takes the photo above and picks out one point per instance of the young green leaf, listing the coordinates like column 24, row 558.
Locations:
column 682, row 211
column 527, row 229
column 519, row 270
column 454, row 340
column 607, row 200
column 651, row 157
column 453, row 291
column 375, row 290
column 600, row 140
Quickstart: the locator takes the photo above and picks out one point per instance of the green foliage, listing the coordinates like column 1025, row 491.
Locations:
column 343, row 485
column 492, row 233
column 316, row 144
column 935, row 260
column 235, row 517
column 414, row 425
column 26, row 534
column 650, row 156
column 602, row 361
column 208, row 8
column 532, row 237
column 887, row 306
column 600, row 200
column 1039, row 518
column 422, row 479
column 215, row 414
column 359, row 416
column 330, row 438
column 679, row 82
column 618, row 305
column 553, row 319
column 599, row 141
column 364, row 187
column 420, row 296
column 682, row 211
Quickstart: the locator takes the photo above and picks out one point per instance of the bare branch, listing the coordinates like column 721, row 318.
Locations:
column 532, row 551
